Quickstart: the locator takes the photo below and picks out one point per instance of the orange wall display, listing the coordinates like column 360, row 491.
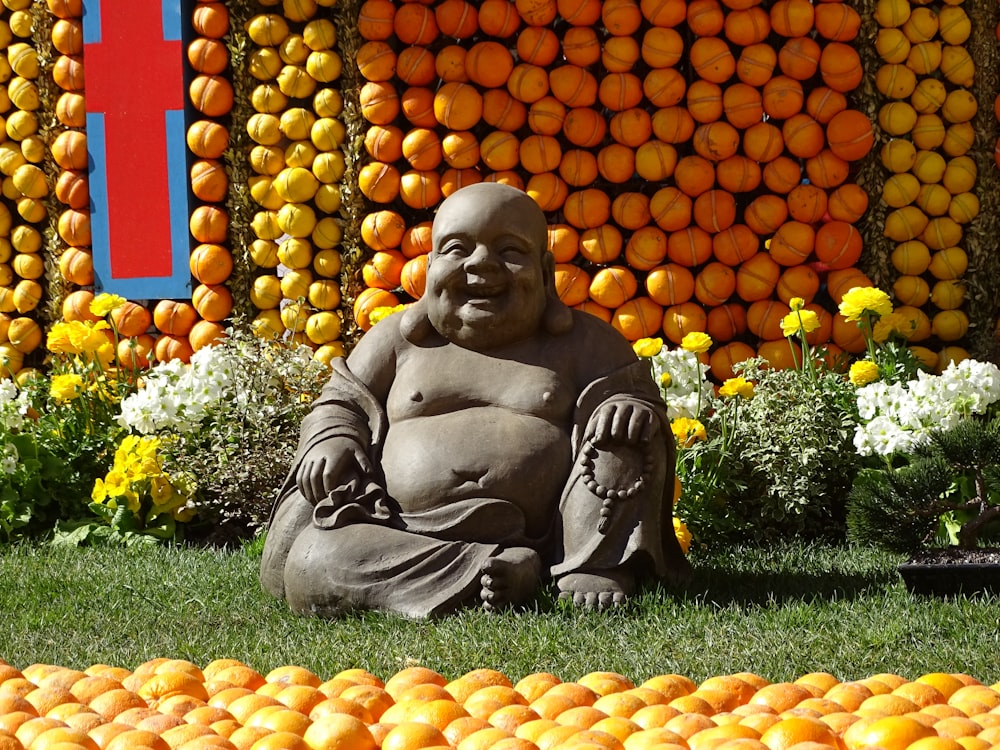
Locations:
column 701, row 163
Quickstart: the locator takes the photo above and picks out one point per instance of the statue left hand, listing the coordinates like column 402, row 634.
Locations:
column 627, row 422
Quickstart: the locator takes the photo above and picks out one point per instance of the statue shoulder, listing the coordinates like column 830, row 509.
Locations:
column 373, row 359
column 601, row 348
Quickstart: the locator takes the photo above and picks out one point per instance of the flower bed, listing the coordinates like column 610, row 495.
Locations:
column 172, row 703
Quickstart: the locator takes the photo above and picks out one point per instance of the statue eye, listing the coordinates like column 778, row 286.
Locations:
column 453, row 248
column 513, row 251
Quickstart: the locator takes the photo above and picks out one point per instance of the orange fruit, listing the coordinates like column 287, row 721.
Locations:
column 462, row 687
column 483, row 739
column 582, row 717
column 439, row 713
column 890, row 732
column 688, row 725
column 790, row 731
column 511, row 717
column 462, row 727
column 655, row 716
column 535, row 685
column 780, row 696
column 946, row 684
column 339, row 732
column 619, row 703
column 713, row 737
column 167, row 684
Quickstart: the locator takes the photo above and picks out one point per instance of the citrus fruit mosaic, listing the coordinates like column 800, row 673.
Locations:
column 173, row 703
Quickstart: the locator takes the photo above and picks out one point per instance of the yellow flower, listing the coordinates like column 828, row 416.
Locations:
column 78, row 337
column 807, row 320
column 383, row 312
column 738, row 386
column 666, row 380
column 162, row 492
column 682, row 534
column 58, row 339
column 796, row 303
column 863, row 372
column 647, row 347
column 103, row 304
column 860, row 300
column 66, row 387
column 696, row 342
column 894, row 322
column 687, row 431
column 100, row 493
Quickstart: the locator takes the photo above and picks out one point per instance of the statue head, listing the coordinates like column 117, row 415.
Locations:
column 490, row 278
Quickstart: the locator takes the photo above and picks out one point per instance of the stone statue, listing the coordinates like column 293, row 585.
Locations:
column 484, row 440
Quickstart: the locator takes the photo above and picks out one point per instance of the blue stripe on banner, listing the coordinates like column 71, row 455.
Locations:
column 98, row 184
column 91, row 21
column 172, row 28
column 179, row 284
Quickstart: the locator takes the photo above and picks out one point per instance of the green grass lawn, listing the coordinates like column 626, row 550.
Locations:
column 779, row 612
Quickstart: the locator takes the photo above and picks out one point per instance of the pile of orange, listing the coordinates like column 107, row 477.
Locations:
column 297, row 165
column 173, row 703
column 930, row 188
column 23, row 213
column 696, row 174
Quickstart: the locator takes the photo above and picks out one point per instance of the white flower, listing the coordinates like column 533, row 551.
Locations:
column 9, row 459
column 687, row 379
column 899, row 416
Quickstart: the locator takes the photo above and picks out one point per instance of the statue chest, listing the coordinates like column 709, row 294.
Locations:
column 436, row 381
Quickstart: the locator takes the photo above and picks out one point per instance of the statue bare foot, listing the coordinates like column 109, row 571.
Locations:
column 510, row 578
column 601, row 589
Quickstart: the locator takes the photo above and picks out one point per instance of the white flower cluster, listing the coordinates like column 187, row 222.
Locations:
column 14, row 406
column 683, row 382
column 899, row 416
column 176, row 396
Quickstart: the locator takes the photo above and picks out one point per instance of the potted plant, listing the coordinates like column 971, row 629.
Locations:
column 936, row 494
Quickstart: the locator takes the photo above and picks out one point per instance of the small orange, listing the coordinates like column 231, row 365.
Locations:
column 339, row 731
column 890, row 732
column 512, row 716
column 655, row 716
column 535, row 685
column 462, row 727
column 791, row 731
column 482, row 739
column 687, row 725
column 781, row 696
column 946, row 684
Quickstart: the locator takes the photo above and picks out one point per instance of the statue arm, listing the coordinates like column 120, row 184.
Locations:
column 341, row 436
column 631, row 417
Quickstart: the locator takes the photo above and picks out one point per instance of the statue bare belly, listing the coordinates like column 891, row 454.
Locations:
column 477, row 452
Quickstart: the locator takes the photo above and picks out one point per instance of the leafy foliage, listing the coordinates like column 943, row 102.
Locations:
column 794, row 441
column 947, row 492
column 230, row 425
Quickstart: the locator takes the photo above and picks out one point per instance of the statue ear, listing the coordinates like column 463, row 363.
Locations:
column 557, row 318
column 415, row 326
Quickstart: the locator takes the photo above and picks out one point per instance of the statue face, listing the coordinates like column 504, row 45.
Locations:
column 486, row 277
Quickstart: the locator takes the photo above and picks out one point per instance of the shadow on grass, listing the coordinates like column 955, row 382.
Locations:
column 722, row 583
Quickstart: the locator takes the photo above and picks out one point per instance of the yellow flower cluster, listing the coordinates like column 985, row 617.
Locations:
column 687, row 431
column 738, row 386
column 138, row 474
column 863, row 372
column 85, row 338
column 865, row 300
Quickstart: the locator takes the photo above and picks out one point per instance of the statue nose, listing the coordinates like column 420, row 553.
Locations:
column 483, row 256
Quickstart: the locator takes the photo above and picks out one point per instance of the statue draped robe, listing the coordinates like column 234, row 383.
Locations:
column 356, row 549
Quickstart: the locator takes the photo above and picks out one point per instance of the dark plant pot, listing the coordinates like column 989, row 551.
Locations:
column 952, row 572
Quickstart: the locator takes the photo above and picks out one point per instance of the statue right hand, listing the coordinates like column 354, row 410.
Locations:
column 325, row 470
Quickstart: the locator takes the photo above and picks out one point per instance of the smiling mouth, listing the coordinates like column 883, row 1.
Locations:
column 484, row 291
